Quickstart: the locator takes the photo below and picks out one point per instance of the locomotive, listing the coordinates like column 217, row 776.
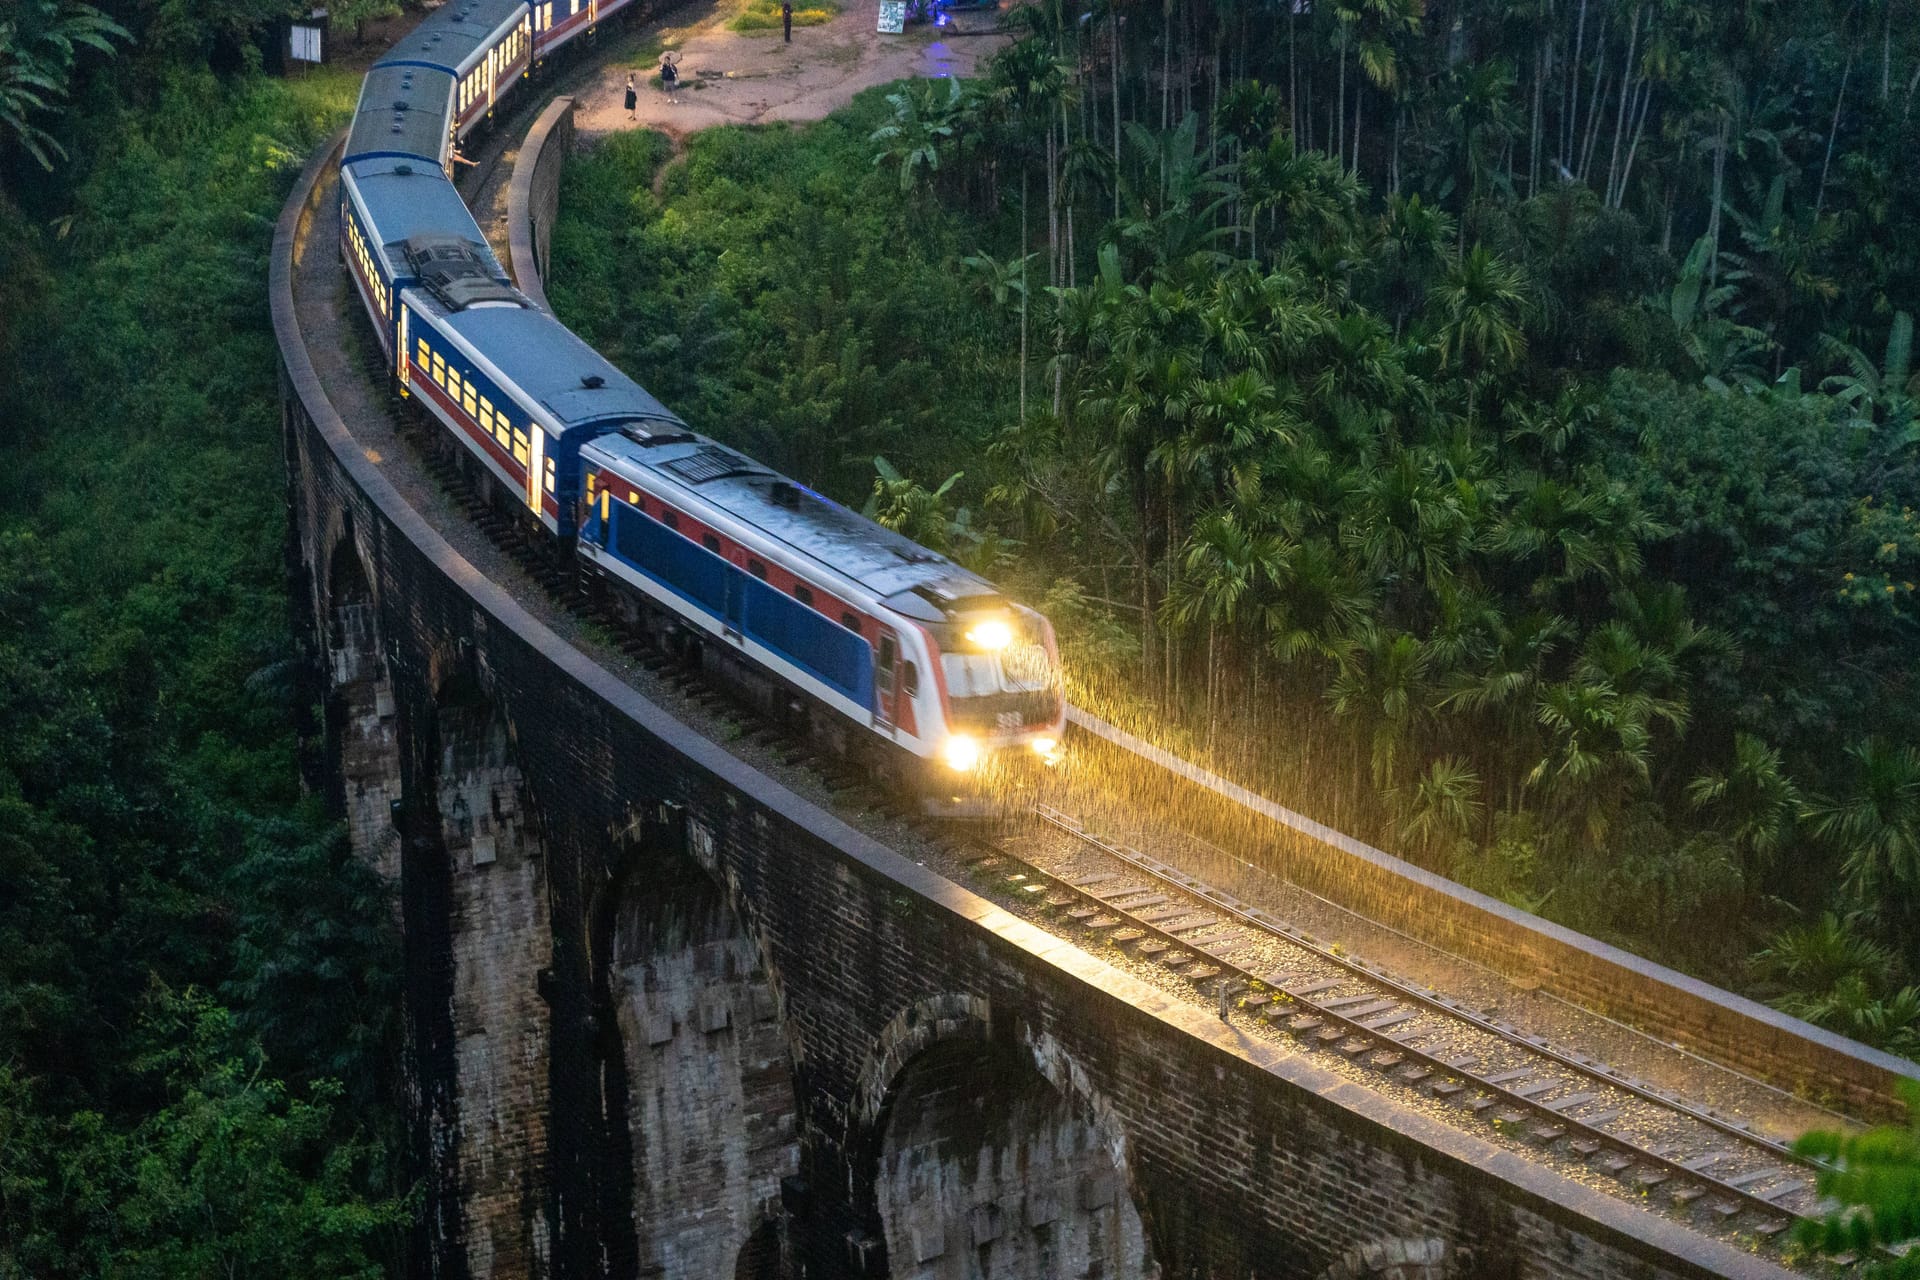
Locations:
column 891, row 653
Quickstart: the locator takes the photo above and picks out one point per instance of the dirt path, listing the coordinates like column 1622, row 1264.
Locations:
column 732, row 78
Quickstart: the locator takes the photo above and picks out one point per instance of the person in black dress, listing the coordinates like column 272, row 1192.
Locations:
column 633, row 97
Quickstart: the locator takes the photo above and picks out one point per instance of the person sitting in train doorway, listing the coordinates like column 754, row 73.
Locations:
column 669, row 76
column 633, row 97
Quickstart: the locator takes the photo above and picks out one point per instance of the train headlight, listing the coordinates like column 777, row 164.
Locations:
column 961, row 753
column 992, row 635
column 1045, row 747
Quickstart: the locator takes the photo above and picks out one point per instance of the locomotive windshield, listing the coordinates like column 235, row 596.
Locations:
column 1000, row 675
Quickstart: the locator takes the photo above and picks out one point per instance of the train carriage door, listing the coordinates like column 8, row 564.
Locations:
column 536, row 467
column 493, row 74
column 402, row 346
column 886, row 674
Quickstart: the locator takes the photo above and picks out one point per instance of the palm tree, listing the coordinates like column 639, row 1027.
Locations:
column 1414, row 237
column 1404, row 521
column 1228, row 565
column 1482, row 113
column 1757, row 806
column 1480, row 305
column 39, row 42
column 1499, row 683
column 1001, row 281
column 1320, row 602
column 1875, row 824
column 1383, row 683
column 1441, row 808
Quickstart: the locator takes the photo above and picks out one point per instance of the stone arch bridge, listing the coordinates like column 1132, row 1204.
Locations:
column 667, row 1018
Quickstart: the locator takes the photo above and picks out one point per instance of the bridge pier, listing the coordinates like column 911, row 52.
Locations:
column 711, row 1120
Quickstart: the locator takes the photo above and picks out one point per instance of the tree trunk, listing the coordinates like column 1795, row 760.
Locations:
column 1116, row 113
column 1359, row 92
column 1338, row 134
column 1633, row 148
column 1293, row 82
column 1023, row 291
column 1628, row 87
column 1719, row 188
column 1053, row 208
column 1570, row 112
column 1533, row 133
column 1886, row 48
column 1166, row 59
column 1595, row 101
column 1833, row 129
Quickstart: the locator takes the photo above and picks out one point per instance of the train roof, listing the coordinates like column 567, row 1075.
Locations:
column 910, row 578
column 405, row 199
column 405, row 112
column 551, row 365
column 451, row 36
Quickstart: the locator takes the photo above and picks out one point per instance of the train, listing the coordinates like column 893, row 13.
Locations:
column 889, row 653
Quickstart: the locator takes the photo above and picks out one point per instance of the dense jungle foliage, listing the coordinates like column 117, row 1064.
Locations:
column 1489, row 430
column 198, row 984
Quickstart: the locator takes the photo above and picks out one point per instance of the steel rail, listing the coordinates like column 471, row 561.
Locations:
column 1253, row 917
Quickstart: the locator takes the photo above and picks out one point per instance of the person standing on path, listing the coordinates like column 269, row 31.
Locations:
column 669, row 76
column 633, row 97
column 786, row 20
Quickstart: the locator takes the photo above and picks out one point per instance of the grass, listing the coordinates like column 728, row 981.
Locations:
column 764, row 15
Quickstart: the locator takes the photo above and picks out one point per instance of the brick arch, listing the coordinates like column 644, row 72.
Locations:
column 1425, row 1258
column 980, row 1146
column 699, row 1080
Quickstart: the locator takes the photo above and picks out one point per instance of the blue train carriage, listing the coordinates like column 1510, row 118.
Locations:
column 391, row 209
column 484, row 45
column 557, row 21
column 405, row 112
column 915, row 655
column 514, row 386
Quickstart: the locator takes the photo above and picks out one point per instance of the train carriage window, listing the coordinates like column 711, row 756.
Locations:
column 486, row 415
column 549, row 476
column 803, row 593
column 757, row 569
column 468, row 400
column 850, row 622
column 887, row 653
column 909, row 679
column 425, row 354
column 633, row 500
column 503, row 431
column 522, row 447
column 710, row 542
column 439, row 369
column 593, row 486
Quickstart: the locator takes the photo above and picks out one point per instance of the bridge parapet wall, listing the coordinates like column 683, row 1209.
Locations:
column 1240, row 1156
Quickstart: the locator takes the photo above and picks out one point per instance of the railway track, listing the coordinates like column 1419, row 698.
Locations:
column 1552, row 1098
column 1570, row 1108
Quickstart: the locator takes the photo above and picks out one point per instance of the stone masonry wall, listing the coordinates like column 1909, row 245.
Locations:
column 711, row 1117
column 501, row 942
